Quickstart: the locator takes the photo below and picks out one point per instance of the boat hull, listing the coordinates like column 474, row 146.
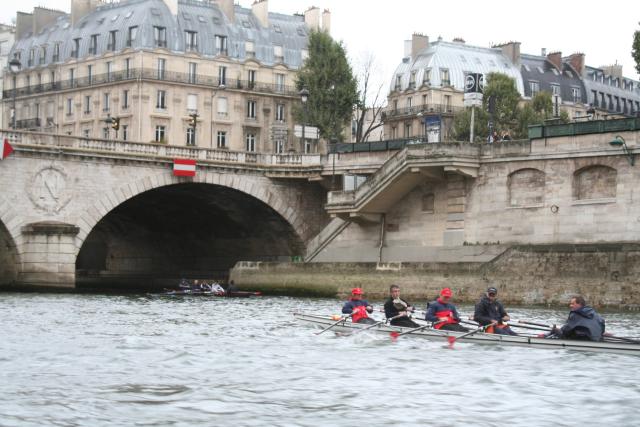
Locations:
column 478, row 338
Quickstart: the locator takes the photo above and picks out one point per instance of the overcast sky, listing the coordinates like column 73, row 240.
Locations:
column 603, row 31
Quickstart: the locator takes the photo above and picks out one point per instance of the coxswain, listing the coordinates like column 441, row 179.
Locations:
column 490, row 311
column 358, row 308
column 399, row 309
column 584, row 323
column 443, row 314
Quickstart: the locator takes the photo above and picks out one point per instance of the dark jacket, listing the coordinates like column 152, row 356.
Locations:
column 583, row 323
column 438, row 306
column 390, row 310
column 348, row 306
column 487, row 311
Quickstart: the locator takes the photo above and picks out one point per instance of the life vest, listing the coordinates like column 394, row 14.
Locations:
column 359, row 312
column 446, row 312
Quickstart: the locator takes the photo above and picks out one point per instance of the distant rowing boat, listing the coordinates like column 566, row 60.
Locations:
column 478, row 338
column 199, row 293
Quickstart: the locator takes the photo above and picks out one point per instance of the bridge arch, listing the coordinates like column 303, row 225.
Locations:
column 9, row 255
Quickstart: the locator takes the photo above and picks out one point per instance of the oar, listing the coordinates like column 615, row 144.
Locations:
column 396, row 334
column 525, row 322
column 342, row 319
column 376, row 324
column 453, row 339
column 535, row 328
column 629, row 340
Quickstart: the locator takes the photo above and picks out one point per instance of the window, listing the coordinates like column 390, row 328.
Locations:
column 90, row 74
column 56, row 52
column 106, row 102
column 280, row 82
column 394, row 132
column 32, row 55
column 444, row 77
column 576, row 94
column 192, row 102
column 160, row 133
column 277, row 52
column 131, row 35
column 534, row 87
column 409, row 102
column 221, row 45
column 222, row 75
column 191, row 40
column 251, row 142
column 43, row 55
column 162, row 63
column 127, row 68
column 87, row 104
column 222, row 107
column 250, row 48
column 125, row 132
column 192, row 72
column 125, row 99
column 85, row 133
column 72, row 76
column 109, row 70
column 191, row 136
column 111, row 44
column 69, row 106
column 251, row 78
column 398, row 82
column 280, row 112
column 426, row 78
column 251, row 109
column 555, row 89
column 52, row 78
column 412, row 80
column 447, row 103
column 105, row 133
column 279, row 146
column 307, row 146
column 221, row 139
column 93, row 44
column 160, row 36
column 407, row 130
column 161, row 99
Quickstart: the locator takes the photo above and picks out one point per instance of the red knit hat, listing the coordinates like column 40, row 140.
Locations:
column 446, row 292
column 356, row 291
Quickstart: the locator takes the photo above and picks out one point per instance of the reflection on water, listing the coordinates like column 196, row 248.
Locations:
column 134, row 360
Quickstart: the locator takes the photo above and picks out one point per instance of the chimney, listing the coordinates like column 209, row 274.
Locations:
column 326, row 20
column 44, row 17
column 312, row 18
column 577, row 62
column 172, row 5
column 512, row 51
column 227, row 7
column 556, row 59
column 407, row 49
column 81, row 8
column 613, row 70
column 24, row 24
column 419, row 43
column 543, row 51
column 261, row 12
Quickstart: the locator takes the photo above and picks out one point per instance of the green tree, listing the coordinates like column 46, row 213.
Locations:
column 333, row 90
column 635, row 51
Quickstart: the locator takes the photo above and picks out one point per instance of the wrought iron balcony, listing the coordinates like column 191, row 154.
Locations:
column 425, row 109
column 28, row 123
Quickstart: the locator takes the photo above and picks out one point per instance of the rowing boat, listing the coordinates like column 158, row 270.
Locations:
column 199, row 293
column 478, row 338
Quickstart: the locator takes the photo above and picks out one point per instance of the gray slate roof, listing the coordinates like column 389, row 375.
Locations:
column 206, row 19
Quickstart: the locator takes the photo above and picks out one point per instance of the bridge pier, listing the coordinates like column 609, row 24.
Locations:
column 48, row 255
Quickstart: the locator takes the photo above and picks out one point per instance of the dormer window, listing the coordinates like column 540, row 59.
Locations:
column 43, row 55
column 160, row 36
column 426, row 78
column 221, row 45
column 93, row 44
column 75, row 52
column 444, row 77
column 398, row 82
column 111, row 45
column 250, row 48
column 32, row 55
column 191, row 40
column 56, row 52
column 131, row 35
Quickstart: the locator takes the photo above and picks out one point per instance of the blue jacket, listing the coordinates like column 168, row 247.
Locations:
column 583, row 323
column 437, row 306
column 348, row 306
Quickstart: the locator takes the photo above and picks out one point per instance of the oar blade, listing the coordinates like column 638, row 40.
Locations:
column 394, row 336
column 451, row 340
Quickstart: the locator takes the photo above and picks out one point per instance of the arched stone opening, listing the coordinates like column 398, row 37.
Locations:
column 192, row 230
column 8, row 258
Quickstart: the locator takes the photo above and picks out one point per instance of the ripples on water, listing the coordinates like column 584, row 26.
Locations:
column 90, row 360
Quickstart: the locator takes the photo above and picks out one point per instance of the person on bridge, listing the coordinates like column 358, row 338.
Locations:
column 490, row 311
column 584, row 323
column 358, row 308
column 443, row 314
column 396, row 306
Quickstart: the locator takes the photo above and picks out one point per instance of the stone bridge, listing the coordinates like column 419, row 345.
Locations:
column 87, row 211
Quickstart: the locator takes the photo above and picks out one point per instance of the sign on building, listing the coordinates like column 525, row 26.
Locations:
column 473, row 88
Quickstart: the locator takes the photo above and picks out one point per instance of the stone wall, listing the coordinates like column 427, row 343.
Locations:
column 608, row 275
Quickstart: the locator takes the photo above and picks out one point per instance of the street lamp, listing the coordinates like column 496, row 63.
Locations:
column 14, row 67
column 619, row 141
column 304, row 97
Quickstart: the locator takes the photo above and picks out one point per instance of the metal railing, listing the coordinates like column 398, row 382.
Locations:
column 28, row 123
column 425, row 109
column 152, row 74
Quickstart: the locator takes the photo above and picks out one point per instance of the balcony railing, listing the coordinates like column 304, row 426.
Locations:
column 28, row 123
column 425, row 109
column 152, row 74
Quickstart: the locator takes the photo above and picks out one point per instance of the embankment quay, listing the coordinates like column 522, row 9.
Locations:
column 540, row 219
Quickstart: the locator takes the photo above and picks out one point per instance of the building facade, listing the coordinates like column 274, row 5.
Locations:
column 427, row 87
column 154, row 65
column 7, row 37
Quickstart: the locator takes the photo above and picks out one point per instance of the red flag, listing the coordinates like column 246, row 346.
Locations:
column 5, row 148
column 184, row 167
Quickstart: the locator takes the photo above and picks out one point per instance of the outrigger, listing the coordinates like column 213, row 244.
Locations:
column 478, row 337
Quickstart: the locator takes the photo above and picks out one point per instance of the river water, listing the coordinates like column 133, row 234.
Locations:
column 103, row 360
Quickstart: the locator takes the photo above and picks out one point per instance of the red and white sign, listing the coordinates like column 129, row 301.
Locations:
column 184, row 167
column 5, row 148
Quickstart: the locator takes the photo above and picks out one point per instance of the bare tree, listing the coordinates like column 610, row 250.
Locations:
column 371, row 99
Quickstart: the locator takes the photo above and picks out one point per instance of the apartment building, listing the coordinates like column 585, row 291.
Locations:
column 7, row 37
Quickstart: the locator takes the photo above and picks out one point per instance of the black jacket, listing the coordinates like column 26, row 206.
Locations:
column 487, row 311
column 583, row 323
column 390, row 310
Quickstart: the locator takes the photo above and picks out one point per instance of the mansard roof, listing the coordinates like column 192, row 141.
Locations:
column 460, row 59
column 539, row 69
column 205, row 18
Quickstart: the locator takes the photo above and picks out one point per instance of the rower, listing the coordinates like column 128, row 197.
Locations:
column 232, row 287
column 358, row 308
column 396, row 307
column 443, row 314
column 217, row 289
column 584, row 323
column 489, row 311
